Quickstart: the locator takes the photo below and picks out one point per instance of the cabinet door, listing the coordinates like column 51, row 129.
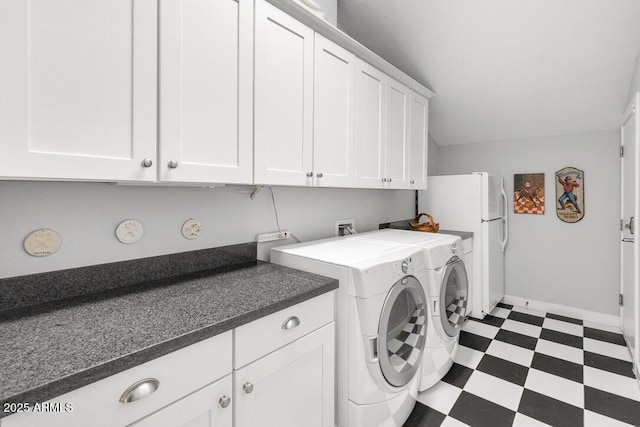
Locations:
column 397, row 135
column 206, row 83
column 419, row 142
column 371, row 100
column 291, row 387
column 283, row 98
column 210, row 406
column 78, row 89
column 334, row 91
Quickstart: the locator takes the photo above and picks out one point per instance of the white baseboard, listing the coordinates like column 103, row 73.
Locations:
column 562, row 310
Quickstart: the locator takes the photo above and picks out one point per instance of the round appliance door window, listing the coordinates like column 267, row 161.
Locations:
column 401, row 332
column 454, row 296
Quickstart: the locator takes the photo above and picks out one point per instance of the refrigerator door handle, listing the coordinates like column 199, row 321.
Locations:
column 506, row 221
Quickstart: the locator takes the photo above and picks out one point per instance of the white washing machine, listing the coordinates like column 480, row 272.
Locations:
column 381, row 324
column 447, row 289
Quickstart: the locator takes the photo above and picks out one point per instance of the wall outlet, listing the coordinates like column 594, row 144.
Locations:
column 341, row 224
column 270, row 237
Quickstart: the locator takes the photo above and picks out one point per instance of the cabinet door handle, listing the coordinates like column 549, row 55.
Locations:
column 247, row 387
column 173, row 164
column 140, row 390
column 412, row 181
column 309, row 174
column 384, row 179
column 147, row 163
column 291, row 322
column 224, row 401
column 389, row 179
column 319, row 175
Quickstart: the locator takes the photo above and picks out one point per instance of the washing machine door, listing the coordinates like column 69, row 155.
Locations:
column 401, row 331
column 453, row 296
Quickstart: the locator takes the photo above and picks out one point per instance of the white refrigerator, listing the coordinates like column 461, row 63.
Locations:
column 475, row 202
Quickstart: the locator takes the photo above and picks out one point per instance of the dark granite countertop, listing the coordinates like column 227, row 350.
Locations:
column 50, row 349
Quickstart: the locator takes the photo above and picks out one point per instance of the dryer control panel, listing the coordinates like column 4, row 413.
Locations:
column 456, row 249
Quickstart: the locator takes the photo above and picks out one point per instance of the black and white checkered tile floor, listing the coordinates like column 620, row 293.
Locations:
column 521, row 367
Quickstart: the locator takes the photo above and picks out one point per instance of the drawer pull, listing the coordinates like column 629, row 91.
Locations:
column 291, row 322
column 140, row 390
column 224, row 401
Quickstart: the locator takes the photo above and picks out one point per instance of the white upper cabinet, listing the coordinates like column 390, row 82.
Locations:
column 333, row 138
column 419, row 142
column 397, row 135
column 283, row 98
column 370, row 105
column 78, row 89
column 382, row 129
column 206, row 78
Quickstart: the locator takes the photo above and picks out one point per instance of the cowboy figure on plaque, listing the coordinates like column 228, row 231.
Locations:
column 568, row 185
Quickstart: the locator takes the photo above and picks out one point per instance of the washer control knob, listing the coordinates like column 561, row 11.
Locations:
column 454, row 248
column 405, row 266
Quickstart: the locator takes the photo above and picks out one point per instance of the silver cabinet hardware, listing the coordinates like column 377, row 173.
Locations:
column 224, row 401
column 173, row 164
column 412, row 181
column 384, row 179
column 319, row 175
column 389, row 179
column 309, row 174
column 140, row 390
column 291, row 322
column 247, row 387
column 147, row 163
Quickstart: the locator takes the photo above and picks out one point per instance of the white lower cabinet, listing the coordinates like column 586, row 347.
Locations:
column 290, row 387
column 209, row 407
column 284, row 377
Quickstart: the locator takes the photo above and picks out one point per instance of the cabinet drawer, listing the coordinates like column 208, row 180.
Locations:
column 269, row 333
column 178, row 373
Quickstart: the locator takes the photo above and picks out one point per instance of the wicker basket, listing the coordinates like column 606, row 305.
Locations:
column 429, row 226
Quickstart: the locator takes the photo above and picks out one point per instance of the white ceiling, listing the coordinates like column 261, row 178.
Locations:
column 507, row 69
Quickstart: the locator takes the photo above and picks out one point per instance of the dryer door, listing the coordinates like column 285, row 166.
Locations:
column 453, row 296
column 401, row 331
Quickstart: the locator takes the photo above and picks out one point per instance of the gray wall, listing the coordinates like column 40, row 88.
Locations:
column 635, row 81
column 434, row 150
column 86, row 214
column 548, row 260
column 330, row 10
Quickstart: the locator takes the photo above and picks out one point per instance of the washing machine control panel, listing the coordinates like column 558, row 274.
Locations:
column 406, row 266
column 454, row 249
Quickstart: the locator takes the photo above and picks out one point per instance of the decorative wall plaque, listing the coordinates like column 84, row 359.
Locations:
column 570, row 194
column 191, row 229
column 528, row 193
column 43, row 242
column 129, row 231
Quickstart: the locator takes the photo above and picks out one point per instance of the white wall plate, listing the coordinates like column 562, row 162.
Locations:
column 129, row 231
column 191, row 229
column 43, row 242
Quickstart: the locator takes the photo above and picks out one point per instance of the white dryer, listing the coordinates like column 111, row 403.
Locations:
column 381, row 324
column 447, row 289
